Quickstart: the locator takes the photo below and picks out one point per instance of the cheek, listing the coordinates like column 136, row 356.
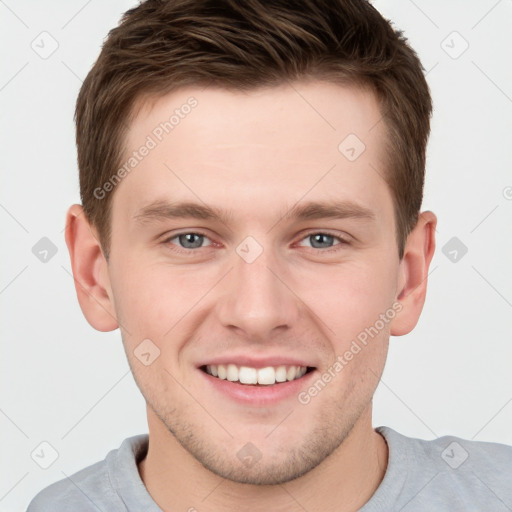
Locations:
column 161, row 303
column 350, row 297
column 148, row 295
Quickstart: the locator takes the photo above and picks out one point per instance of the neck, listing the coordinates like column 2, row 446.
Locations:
column 344, row 481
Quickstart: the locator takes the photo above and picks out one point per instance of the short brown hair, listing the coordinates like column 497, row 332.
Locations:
column 162, row 45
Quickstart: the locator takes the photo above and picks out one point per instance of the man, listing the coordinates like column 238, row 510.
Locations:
column 251, row 176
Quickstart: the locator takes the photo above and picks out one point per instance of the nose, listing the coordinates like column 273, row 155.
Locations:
column 258, row 298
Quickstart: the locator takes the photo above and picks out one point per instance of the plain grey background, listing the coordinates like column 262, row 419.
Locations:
column 63, row 383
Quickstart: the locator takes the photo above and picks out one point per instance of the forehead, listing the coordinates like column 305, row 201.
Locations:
column 238, row 148
column 308, row 109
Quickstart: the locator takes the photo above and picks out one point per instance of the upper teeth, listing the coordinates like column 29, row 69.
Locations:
column 247, row 375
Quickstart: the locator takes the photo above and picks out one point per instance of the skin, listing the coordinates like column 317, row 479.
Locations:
column 256, row 154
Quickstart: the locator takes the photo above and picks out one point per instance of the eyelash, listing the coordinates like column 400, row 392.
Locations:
column 181, row 250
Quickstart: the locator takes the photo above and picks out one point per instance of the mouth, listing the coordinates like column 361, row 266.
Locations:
column 249, row 376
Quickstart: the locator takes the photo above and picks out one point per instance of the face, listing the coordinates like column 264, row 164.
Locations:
column 284, row 257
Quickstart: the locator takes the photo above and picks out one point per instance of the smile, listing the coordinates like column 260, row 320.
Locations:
column 253, row 376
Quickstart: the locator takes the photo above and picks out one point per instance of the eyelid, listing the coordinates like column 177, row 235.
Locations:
column 345, row 237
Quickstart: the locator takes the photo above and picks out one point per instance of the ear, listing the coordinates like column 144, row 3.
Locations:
column 413, row 273
column 90, row 271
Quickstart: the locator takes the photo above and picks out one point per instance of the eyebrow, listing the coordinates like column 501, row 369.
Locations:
column 162, row 210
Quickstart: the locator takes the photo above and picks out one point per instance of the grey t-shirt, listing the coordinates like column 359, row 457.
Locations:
column 446, row 474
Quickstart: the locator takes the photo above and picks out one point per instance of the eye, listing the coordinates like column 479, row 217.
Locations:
column 190, row 240
column 322, row 240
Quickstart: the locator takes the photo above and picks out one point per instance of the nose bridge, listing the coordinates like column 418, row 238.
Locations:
column 257, row 301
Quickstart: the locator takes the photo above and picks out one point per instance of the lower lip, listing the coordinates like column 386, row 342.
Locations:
column 259, row 395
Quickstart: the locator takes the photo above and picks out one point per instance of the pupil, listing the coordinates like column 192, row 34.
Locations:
column 188, row 239
column 320, row 237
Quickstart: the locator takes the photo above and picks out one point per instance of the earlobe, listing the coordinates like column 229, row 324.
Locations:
column 414, row 266
column 90, row 272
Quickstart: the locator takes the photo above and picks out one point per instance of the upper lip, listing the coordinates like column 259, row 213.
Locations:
column 256, row 362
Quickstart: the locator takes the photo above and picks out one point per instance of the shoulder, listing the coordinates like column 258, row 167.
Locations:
column 450, row 453
column 453, row 470
column 75, row 492
column 92, row 488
